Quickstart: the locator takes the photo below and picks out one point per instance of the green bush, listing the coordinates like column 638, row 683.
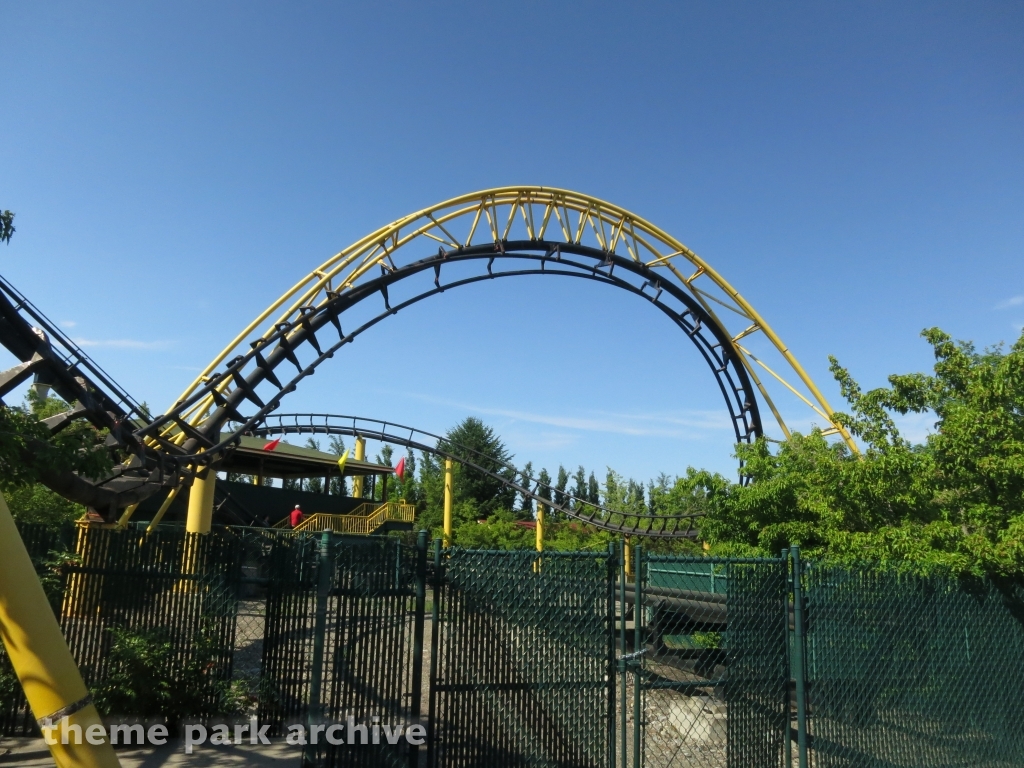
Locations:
column 147, row 679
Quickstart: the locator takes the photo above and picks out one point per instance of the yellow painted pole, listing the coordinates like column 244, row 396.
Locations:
column 447, row 502
column 357, row 481
column 540, row 527
column 41, row 658
column 128, row 512
column 163, row 509
column 626, row 549
column 200, row 502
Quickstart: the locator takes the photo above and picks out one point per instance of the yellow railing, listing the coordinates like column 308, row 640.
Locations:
column 363, row 520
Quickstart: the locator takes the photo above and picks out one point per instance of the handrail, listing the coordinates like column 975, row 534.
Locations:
column 360, row 524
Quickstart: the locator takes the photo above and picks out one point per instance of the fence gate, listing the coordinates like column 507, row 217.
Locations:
column 523, row 668
column 343, row 638
column 709, row 649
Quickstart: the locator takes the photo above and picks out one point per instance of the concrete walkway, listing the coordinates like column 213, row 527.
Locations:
column 32, row 753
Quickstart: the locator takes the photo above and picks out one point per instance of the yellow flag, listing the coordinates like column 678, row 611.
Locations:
column 342, row 461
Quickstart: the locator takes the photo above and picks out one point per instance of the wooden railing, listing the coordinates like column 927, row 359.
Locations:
column 363, row 520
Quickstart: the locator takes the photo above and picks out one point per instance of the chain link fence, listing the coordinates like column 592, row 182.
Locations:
column 714, row 671
column 523, row 660
column 913, row 672
column 540, row 659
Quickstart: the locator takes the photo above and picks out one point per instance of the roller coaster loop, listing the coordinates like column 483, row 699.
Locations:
column 497, row 233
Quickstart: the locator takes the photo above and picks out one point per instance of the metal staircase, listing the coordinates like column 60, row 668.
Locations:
column 364, row 520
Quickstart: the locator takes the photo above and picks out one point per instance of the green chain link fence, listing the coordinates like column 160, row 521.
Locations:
column 553, row 659
column 523, row 659
column 910, row 671
column 714, row 667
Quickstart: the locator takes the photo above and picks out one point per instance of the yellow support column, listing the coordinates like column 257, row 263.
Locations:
column 200, row 503
column 128, row 512
column 539, row 540
column 200, row 520
column 627, row 556
column 540, row 527
column 447, row 502
column 163, row 510
column 357, row 482
column 41, row 659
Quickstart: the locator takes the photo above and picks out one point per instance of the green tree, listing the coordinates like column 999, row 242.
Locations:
column 593, row 490
column 29, row 453
column 6, row 226
column 561, row 497
column 544, row 486
column 407, row 488
column 339, row 486
column 580, row 489
column 35, row 503
column 954, row 504
column 499, row 531
column 526, row 503
column 314, row 484
column 384, row 457
column 486, row 450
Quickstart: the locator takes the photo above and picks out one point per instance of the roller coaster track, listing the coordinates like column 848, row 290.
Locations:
column 54, row 361
column 519, row 231
column 628, row 523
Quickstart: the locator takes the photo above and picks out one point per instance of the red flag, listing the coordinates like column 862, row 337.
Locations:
column 400, row 468
column 271, row 445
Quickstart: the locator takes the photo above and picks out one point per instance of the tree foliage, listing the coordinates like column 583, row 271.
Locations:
column 28, row 452
column 487, row 451
column 6, row 226
column 954, row 504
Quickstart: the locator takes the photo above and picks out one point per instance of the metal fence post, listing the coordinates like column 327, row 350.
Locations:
column 434, row 650
column 637, row 649
column 622, row 645
column 612, row 665
column 798, row 659
column 417, row 640
column 788, row 741
column 323, row 589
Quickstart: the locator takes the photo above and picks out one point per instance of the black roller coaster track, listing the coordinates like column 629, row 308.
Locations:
column 627, row 523
column 251, row 380
column 236, row 385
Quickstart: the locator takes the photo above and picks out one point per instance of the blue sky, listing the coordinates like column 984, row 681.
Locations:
column 855, row 170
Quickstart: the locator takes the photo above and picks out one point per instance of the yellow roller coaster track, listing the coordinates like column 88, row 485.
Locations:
column 497, row 216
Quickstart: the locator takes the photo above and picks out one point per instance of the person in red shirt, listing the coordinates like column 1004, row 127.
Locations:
column 295, row 517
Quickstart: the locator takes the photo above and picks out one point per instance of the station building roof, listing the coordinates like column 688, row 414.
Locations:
column 292, row 461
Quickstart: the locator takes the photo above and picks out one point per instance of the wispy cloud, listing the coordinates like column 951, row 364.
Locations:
column 697, row 419
column 531, row 440
column 637, row 425
column 124, row 344
column 68, row 323
column 1013, row 301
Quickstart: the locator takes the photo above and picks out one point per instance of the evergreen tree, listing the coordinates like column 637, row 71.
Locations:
column 430, row 501
column 314, row 484
column 580, row 490
column 593, row 490
column 476, row 442
column 544, row 490
column 339, row 486
column 526, row 505
column 407, row 487
column 560, row 484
